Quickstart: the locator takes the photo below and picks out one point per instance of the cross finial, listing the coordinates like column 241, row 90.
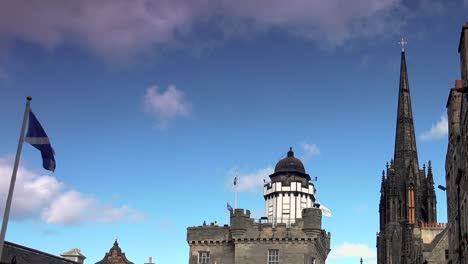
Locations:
column 403, row 42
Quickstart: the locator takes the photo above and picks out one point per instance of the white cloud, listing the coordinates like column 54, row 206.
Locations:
column 251, row 182
column 115, row 214
column 67, row 208
column 122, row 28
column 32, row 191
column 44, row 198
column 310, row 150
column 165, row 105
column 117, row 28
column 351, row 250
column 438, row 130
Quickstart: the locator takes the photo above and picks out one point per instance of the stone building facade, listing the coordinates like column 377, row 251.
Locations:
column 291, row 232
column 409, row 232
column 115, row 256
column 456, row 163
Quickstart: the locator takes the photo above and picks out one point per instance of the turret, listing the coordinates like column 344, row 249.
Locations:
column 289, row 192
column 240, row 222
column 382, row 183
column 312, row 218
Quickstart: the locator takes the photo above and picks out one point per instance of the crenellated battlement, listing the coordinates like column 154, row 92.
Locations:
column 208, row 233
column 244, row 227
column 433, row 225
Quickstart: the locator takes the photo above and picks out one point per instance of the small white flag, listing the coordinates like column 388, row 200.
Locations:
column 325, row 210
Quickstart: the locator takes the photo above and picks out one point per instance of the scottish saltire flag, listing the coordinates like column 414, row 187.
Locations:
column 229, row 207
column 37, row 137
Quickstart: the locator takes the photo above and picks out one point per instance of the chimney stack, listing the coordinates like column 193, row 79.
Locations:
column 150, row 260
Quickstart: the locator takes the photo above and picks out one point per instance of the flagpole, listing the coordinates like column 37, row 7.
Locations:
column 235, row 197
column 235, row 190
column 13, row 177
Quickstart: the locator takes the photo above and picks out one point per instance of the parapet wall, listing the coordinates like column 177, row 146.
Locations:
column 310, row 226
column 429, row 231
column 433, row 225
column 246, row 241
column 205, row 234
column 244, row 227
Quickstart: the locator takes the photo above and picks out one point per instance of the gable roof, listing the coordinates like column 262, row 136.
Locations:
column 30, row 255
column 115, row 256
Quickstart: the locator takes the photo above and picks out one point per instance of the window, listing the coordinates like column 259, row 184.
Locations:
column 446, row 254
column 286, row 209
column 203, row 257
column 273, row 256
column 411, row 216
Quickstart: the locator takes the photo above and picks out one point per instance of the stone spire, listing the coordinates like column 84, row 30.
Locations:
column 429, row 170
column 405, row 140
column 431, row 196
column 382, row 184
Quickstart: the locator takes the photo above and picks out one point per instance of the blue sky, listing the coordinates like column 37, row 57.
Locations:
column 152, row 105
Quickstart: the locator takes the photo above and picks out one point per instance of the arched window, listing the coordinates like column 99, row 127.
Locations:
column 411, row 216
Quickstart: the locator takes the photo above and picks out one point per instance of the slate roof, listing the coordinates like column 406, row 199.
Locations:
column 26, row 255
column 73, row 253
column 289, row 164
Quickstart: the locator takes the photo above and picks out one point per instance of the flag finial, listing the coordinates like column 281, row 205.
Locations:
column 29, row 98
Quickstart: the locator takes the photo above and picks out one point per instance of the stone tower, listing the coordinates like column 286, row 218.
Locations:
column 407, row 201
column 290, row 233
column 456, row 167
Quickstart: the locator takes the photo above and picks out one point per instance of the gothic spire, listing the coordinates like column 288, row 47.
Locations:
column 405, row 140
column 430, row 177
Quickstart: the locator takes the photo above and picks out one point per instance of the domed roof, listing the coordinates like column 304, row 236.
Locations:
column 290, row 163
